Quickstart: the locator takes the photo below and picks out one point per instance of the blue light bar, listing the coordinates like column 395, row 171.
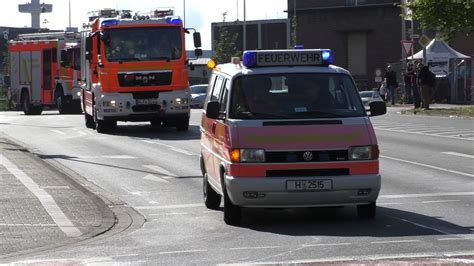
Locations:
column 296, row 57
column 327, row 56
column 299, row 46
column 109, row 22
column 174, row 20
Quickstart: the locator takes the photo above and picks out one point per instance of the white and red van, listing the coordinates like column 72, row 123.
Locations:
column 285, row 128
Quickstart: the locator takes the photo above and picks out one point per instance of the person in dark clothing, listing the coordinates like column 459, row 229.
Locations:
column 415, row 86
column 427, row 79
column 391, row 81
column 409, row 79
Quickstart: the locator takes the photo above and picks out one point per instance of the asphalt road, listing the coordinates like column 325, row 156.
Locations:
column 425, row 206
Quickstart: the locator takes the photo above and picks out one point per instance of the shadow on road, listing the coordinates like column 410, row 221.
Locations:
column 163, row 133
column 343, row 222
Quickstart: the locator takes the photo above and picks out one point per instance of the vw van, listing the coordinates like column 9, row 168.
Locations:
column 284, row 129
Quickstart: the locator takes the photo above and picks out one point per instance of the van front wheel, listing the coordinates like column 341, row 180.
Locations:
column 212, row 199
column 232, row 213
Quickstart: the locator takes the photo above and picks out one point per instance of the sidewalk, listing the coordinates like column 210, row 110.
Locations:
column 41, row 207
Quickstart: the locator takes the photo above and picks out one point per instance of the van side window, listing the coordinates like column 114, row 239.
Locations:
column 224, row 97
column 212, row 81
column 217, row 89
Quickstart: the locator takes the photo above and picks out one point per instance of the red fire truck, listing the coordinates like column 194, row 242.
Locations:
column 45, row 68
column 134, row 68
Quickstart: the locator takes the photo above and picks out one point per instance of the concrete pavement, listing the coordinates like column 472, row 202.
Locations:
column 41, row 207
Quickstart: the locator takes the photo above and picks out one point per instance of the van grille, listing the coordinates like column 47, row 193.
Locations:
column 298, row 156
column 308, row 172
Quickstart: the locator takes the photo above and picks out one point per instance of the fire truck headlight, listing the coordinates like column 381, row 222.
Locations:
column 181, row 101
column 109, row 103
column 78, row 94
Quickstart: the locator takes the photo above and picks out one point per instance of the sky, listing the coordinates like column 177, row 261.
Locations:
column 199, row 13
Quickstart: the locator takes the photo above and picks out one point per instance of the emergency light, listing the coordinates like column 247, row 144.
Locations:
column 175, row 20
column 109, row 22
column 297, row 57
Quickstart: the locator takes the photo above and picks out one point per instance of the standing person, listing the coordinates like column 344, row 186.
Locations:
column 415, row 87
column 391, row 81
column 408, row 78
column 427, row 80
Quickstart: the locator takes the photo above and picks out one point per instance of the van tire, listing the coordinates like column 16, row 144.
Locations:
column 212, row 199
column 232, row 213
column 367, row 211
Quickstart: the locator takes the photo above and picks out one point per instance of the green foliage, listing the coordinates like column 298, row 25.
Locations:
column 225, row 46
column 447, row 17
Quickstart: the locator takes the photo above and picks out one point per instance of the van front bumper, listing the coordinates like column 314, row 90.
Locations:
column 271, row 192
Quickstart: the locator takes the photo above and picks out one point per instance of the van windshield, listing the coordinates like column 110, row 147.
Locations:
column 295, row 95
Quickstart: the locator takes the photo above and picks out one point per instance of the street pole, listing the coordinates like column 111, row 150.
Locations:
column 294, row 20
column 69, row 13
column 245, row 30
column 184, row 13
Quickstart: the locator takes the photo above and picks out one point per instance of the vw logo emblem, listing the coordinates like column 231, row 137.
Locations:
column 308, row 156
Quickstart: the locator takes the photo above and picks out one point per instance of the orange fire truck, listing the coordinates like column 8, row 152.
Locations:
column 134, row 68
column 45, row 68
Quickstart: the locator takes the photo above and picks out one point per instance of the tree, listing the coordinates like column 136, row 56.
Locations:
column 447, row 17
column 225, row 46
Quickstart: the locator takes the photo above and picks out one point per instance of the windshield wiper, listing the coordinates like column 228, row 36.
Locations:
column 319, row 113
column 120, row 60
column 160, row 58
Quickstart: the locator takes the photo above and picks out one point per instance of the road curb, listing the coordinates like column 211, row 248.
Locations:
column 117, row 216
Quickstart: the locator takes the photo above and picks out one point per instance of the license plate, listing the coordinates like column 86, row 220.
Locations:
column 309, row 185
column 146, row 101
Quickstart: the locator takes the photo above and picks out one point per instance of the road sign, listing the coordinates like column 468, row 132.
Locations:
column 407, row 45
column 424, row 40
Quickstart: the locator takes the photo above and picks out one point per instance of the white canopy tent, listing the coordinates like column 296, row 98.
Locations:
column 445, row 62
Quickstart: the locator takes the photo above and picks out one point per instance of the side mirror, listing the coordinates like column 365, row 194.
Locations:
column 212, row 110
column 197, row 39
column 88, row 56
column 377, row 108
column 198, row 52
column 88, row 44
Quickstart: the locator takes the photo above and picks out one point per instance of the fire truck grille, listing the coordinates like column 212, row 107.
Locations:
column 306, row 156
column 145, row 79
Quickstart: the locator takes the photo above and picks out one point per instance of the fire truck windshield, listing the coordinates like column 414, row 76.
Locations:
column 143, row 44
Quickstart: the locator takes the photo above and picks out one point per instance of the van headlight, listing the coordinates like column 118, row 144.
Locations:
column 364, row 153
column 247, row 155
column 180, row 101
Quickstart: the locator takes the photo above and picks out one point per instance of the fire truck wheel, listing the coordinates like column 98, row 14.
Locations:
column 28, row 108
column 89, row 120
column 182, row 124
column 212, row 199
column 59, row 100
column 155, row 122
column 105, row 126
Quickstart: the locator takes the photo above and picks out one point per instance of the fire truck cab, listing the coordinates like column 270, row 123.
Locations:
column 45, row 68
column 134, row 68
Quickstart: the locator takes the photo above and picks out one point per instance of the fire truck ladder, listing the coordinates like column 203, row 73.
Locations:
column 49, row 36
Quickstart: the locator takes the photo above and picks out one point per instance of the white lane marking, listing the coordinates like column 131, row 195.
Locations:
column 423, row 134
column 169, row 147
column 401, row 196
column 394, row 241
column 322, row 245
column 439, row 201
column 160, row 170
column 459, row 154
column 155, row 178
column 182, row 251
column 428, row 166
column 54, row 187
column 455, row 239
column 247, row 248
column 34, row 225
column 461, row 131
column 58, row 131
column 390, row 203
column 170, row 206
column 168, row 214
column 46, row 200
column 423, row 226
column 124, row 157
